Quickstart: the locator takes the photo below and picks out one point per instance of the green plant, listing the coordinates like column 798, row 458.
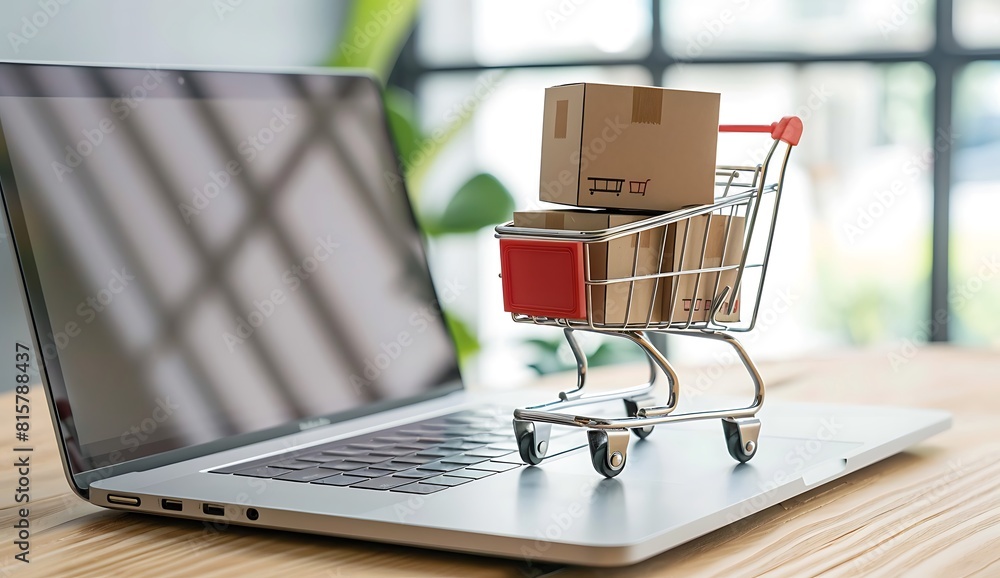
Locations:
column 553, row 355
column 371, row 38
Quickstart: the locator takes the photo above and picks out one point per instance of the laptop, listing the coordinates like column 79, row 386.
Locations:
column 234, row 322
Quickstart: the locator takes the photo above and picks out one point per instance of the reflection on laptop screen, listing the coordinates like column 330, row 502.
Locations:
column 216, row 253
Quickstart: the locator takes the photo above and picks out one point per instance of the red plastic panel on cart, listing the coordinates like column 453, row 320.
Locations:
column 543, row 278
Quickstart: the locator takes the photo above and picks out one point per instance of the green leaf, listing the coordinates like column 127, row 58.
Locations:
column 545, row 358
column 615, row 351
column 465, row 338
column 480, row 202
column 401, row 111
column 373, row 34
column 544, row 345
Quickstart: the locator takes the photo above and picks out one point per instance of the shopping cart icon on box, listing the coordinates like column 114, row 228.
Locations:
column 606, row 185
column 638, row 187
column 548, row 280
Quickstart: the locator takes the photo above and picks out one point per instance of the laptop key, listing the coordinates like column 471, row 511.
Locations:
column 460, row 445
column 392, row 452
column 243, row 466
column 395, row 439
column 417, row 445
column 463, row 460
column 382, row 483
column 344, row 466
column 436, row 453
column 441, row 467
column 433, row 440
column 341, row 480
column 416, row 459
column 346, row 452
column 307, row 475
column 446, row 481
column 293, row 465
column 372, row 473
column 367, row 445
column 417, row 474
column 418, row 488
column 319, row 458
column 369, row 459
column 394, row 466
column 471, row 474
column 249, row 464
column 487, row 453
column 262, row 472
column 493, row 466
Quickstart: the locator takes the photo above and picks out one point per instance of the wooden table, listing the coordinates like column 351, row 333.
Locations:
column 933, row 511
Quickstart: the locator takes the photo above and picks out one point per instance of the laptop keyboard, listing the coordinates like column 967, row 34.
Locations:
column 418, row 458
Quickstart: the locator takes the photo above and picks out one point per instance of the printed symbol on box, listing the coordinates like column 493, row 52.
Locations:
column 606, row 185
column 697, row 304
column 638, row 187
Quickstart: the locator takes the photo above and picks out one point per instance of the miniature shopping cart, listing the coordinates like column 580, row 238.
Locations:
column 548, row 280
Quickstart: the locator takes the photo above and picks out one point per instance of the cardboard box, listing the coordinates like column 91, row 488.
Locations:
column 628, row 147
column 674, row 296
column 723, row 246
column 611, row 260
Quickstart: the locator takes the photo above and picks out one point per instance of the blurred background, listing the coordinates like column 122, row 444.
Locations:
column 886, row 238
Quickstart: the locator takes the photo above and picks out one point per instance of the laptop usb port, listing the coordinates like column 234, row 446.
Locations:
column 172, row 505
column 123, row 500
column 213, row 510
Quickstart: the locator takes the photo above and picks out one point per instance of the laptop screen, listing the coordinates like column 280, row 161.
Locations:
column 210, row 254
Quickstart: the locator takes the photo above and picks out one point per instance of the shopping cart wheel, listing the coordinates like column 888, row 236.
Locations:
column 608, row 450
column 741, row 437
column 632, row 407
column 532, row 440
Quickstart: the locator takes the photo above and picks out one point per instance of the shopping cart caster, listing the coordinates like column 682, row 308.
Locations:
column 632, row 407
column 532, row 440
column 608, row 450
column 741, row 437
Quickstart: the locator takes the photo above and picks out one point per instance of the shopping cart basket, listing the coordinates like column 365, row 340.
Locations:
column 548, row 280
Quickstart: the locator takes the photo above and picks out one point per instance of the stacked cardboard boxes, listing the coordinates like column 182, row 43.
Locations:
column 627, row 149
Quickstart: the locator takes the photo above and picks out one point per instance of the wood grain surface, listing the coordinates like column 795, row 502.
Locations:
column 932, row 511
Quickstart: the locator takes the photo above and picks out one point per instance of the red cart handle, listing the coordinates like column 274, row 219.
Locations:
column 788, row 129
